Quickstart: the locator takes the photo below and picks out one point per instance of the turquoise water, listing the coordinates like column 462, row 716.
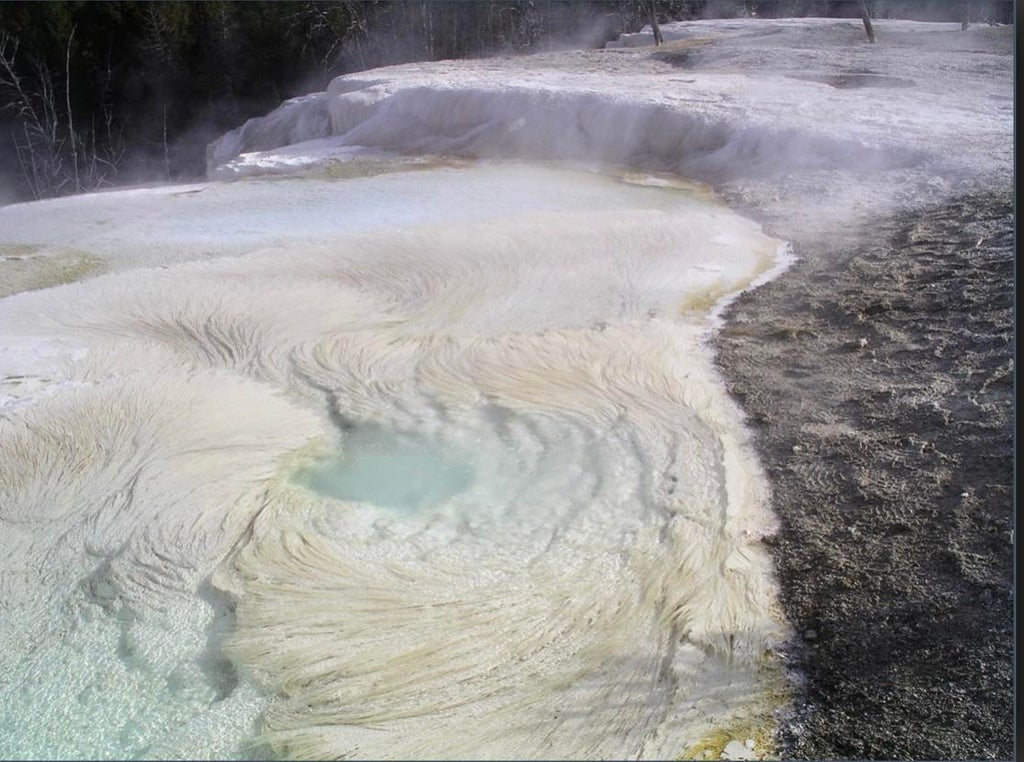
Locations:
column 402, row 471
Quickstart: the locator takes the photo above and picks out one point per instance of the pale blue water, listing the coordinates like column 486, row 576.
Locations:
column 397, row 470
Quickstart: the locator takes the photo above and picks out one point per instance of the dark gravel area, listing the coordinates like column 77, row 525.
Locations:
column 878, row 376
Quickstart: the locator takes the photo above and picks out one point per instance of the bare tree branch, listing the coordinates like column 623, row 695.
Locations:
column 53, row 157
column 67, row 101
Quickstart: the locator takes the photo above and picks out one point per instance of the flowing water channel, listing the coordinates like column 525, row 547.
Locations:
column 427, row 462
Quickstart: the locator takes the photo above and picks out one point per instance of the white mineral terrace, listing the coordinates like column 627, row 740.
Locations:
column 400, row 438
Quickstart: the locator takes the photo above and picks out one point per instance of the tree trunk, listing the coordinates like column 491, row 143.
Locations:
column 867, row 21
column 654, row 24
column 965, row 15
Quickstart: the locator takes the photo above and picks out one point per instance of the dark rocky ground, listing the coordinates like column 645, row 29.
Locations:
column 878, row 375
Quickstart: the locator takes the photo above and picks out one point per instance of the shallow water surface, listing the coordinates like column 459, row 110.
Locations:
column 391, row 469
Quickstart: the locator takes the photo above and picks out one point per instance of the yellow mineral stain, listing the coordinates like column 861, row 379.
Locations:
column 25, row 268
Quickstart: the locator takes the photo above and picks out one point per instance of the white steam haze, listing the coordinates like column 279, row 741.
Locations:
column 355, row 450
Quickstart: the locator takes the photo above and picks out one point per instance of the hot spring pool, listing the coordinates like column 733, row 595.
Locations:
column 395, row 470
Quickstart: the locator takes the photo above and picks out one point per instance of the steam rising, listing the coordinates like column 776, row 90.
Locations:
column 732, row 101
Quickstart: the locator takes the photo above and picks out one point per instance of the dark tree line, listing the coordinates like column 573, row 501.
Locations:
column 98, row 93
